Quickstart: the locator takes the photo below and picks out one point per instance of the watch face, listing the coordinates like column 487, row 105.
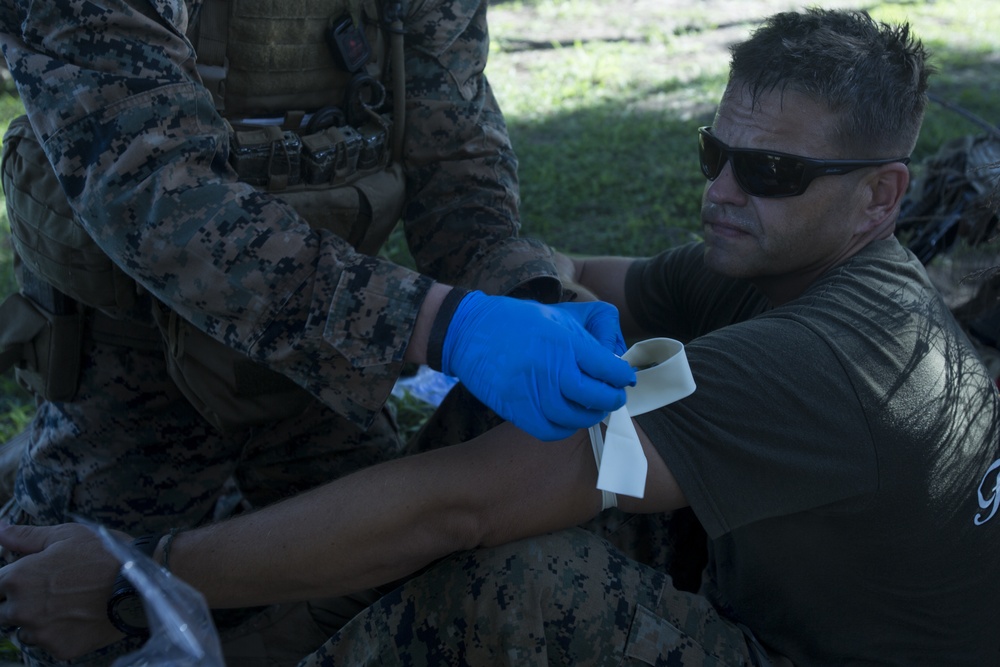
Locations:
column 131, row 612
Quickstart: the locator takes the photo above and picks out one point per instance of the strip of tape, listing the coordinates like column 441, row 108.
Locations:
column 662, row 377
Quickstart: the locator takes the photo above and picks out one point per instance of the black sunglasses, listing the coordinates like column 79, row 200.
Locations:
column 769, row 173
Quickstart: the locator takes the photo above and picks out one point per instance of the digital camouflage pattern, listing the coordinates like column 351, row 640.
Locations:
column 141, row 154
column 567, row 598
column 131, row 453
column 112, row 93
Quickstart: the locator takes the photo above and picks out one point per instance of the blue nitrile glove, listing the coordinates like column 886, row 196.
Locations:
column 548, row 369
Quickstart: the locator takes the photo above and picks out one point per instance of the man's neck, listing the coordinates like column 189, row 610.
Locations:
column 780, row 289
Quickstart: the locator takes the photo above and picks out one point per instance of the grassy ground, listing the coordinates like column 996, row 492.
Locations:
column 602, row 100
column 15, row 405
column 604, row 122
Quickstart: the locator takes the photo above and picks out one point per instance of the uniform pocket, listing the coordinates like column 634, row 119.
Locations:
column 653, row 640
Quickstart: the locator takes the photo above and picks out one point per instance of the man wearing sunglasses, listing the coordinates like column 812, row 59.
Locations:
column 840, row 450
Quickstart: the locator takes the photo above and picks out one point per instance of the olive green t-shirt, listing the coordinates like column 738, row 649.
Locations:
column 838, row 452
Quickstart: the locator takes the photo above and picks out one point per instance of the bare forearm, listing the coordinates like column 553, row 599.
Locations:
column 385, row 522
column 367, row 529
column 361, row 531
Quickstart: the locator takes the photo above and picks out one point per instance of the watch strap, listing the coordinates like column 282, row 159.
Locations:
column 146, row 545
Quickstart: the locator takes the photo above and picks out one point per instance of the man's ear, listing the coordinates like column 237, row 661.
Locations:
column 885, row 189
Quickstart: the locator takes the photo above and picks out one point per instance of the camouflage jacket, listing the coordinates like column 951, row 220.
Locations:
column 112, row 92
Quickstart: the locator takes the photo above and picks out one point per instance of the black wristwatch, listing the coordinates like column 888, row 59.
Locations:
column 125, row 608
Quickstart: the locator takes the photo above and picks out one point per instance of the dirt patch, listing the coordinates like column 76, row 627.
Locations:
column 685, row 39
column 715, row 23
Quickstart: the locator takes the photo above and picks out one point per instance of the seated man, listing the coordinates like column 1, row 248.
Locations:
column 841, row 448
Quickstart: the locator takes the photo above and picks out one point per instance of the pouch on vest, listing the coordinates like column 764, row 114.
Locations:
column 229, row 390
column 43, row 347
column 339, row 179
column 45, row 233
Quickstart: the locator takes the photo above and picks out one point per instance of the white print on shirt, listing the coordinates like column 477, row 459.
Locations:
column 993, row 501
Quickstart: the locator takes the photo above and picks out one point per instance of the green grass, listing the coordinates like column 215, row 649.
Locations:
column 605, row 129
column 604, row 126
column 16, row 406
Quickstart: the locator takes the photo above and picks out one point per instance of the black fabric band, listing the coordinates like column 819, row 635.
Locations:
column 439, row 329
column 146, row 544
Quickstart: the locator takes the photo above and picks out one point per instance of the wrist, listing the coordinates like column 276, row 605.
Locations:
column 416, row 348
column 125, row 608
column 439, row 329
column 161, row 554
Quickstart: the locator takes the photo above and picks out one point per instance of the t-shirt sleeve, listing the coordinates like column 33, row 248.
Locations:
column 673, row 294
column 755, row 440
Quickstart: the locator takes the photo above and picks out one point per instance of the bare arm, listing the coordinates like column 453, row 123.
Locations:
column 601, row 278
column 385, row 522
column 365, row 529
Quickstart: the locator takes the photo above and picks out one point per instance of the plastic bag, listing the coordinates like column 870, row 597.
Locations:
column 427, row 385
column 180, row 624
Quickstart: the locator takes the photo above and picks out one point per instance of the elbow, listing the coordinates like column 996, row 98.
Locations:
column 467, row 529
column 474, row 527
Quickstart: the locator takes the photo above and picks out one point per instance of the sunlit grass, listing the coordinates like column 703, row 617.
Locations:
column 602, row 106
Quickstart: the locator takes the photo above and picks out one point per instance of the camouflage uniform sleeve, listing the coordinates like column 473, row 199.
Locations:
column 461, row 216
column 112, row 94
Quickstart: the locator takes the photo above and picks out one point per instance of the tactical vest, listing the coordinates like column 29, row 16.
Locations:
column 301, row 84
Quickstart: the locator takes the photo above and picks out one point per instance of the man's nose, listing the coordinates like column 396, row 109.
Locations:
column 724, row 189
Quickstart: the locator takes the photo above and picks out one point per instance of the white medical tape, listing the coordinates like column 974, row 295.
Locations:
column 608, row 499
column 662, row 377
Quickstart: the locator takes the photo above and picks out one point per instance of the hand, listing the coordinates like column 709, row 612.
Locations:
column 57, row 591
column 548, row 369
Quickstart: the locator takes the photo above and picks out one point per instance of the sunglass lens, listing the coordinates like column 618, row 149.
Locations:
column 711, row 155
column 764, row 175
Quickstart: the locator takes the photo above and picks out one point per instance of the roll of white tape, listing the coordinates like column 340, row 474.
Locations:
column 662, row 377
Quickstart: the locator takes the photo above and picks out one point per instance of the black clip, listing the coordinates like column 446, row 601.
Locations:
column 349, row 45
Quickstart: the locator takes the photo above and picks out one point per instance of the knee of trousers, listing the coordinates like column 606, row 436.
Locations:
column 555, row 565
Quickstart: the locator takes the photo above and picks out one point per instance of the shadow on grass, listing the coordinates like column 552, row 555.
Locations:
column 621, row 177
column 609, row 180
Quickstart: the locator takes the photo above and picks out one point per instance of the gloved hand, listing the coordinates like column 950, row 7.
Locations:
column 548, row 369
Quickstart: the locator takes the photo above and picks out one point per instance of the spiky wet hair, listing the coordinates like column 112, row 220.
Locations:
column 871, row 74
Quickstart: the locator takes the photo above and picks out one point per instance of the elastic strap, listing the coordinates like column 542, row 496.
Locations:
column 439, row 329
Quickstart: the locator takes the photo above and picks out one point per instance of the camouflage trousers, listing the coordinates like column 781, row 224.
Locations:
column 130, row 452
column 568, row 598
column 674, row 543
